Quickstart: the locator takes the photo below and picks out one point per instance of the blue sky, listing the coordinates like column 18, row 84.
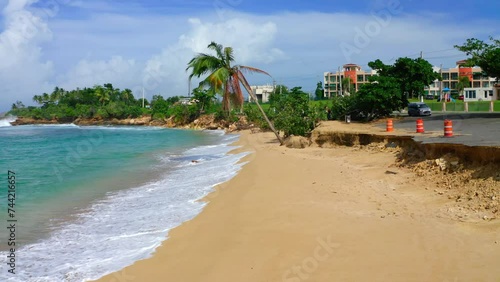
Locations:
column 147, row 44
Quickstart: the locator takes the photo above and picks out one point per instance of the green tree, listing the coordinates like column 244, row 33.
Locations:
column 204, row 98
column 378, row 98
column 225, row 78
column 463, row 82
column 127, row 97
column 159, row 107
column 319, row 92
column 291, row 112
column 412, row 75
column 102, row 94
column 484, row 55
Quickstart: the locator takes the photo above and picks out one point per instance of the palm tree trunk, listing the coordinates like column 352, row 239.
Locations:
column 250, row 92
column 268, row 121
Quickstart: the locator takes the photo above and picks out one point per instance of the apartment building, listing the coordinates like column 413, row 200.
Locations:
column 332, row 81
column 481, row 88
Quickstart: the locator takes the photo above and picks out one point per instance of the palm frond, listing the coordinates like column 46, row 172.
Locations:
column 203, row 64
column 228, row 56
column 252, row 70
column 218, row 48
column 216, row 79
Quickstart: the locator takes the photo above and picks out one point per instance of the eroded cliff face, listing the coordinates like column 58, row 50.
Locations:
column 410, row 147
column 468, row 175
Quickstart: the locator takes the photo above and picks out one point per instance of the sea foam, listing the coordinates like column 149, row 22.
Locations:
column 128, row 225
column 4, row 122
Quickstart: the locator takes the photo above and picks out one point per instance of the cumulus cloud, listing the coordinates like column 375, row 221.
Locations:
column 151, row 51
column 22, row 70
column 252, row 43
column 86, row 73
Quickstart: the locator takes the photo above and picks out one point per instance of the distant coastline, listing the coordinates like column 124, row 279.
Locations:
column 204, row 122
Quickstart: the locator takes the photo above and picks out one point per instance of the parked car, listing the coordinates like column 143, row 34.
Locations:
column 429, row 97
column 419, row 109
column 461, row 97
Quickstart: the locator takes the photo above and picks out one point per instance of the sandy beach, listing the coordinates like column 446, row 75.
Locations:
column 315, row 214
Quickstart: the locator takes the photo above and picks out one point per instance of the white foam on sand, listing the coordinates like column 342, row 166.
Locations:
column 128, row 225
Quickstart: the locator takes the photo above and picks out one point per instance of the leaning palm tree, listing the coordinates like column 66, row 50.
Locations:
column 225, row 79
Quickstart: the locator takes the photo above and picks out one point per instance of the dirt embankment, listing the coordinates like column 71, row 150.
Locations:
column 469, row 175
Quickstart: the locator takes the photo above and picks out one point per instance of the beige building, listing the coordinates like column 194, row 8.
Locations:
column 262, row 92
column 332, row 81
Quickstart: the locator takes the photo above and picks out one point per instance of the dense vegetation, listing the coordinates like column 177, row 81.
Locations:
column 97, row 102
column 106, row 102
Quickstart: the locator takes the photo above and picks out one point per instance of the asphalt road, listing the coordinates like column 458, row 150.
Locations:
column 473, row 129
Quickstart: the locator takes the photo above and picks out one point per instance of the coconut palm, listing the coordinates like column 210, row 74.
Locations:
column 101, row 94
column 225, row 78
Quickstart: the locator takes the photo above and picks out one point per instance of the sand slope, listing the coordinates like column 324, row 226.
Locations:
column 322, row 215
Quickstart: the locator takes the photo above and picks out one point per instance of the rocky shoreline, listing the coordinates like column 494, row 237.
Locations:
column 204, row 122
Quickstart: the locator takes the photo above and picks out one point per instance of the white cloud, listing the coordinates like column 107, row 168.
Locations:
column 138, row 50
column 22, row 70
column 117, row 70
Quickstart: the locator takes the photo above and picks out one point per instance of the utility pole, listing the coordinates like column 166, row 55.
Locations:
column 441, row 83
column 143, row 97
column 421, row 55
column 340, row 80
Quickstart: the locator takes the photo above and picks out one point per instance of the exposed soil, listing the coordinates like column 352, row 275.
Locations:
column 470, row 176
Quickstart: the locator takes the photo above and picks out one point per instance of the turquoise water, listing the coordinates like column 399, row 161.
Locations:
column 80, row 186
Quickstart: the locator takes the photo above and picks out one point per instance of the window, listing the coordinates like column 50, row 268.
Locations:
column 454, row 76
column 360, row 78
column 486, row 84
column 446, row 76
column 485, row 94
column 470, row 94
column 476, row 76
column 476, row 84
column 446, row 85
column 333, row 79
column 490, row 92
column 454, row 85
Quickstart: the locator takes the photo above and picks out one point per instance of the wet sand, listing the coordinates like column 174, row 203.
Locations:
column 322, row 215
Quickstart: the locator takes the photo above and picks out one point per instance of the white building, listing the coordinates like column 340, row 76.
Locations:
column 450, row 79
column 480, row 94
column 262, row 93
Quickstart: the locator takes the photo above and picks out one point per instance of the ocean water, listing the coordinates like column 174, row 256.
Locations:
column 92, row 200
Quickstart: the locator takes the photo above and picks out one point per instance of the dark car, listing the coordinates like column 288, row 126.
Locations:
column 419, row 109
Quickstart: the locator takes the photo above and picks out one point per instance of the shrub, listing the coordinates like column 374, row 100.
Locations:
column 342, row 106
column 291, row 112
column 183, row 114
